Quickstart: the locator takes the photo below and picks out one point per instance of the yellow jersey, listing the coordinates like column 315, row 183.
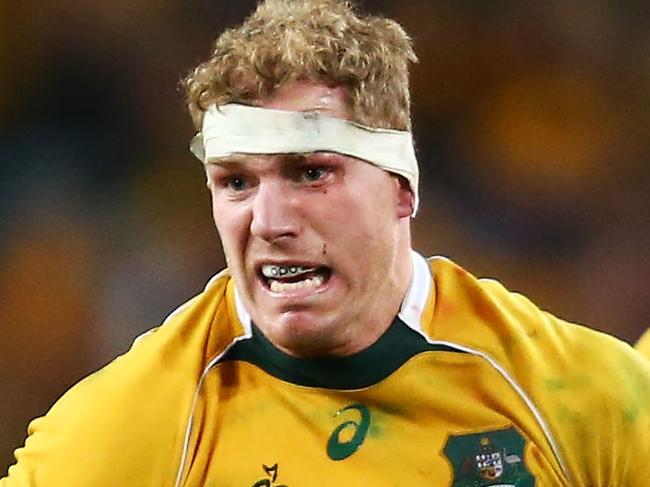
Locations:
column 472, row 385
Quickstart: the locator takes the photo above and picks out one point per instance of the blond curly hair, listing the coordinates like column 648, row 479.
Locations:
column 316, row 40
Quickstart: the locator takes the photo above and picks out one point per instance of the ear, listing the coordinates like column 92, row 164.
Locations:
column 405, row 199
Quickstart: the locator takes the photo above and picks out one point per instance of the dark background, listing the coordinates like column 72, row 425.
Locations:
column 531, row 121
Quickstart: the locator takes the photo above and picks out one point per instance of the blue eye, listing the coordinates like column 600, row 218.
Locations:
column 236, row 183
column 312, row 174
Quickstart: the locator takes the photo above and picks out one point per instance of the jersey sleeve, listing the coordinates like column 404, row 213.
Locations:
column 591, row 389
column 611, row 439
column 125, row 424
column 105, row 431
column 594, row 391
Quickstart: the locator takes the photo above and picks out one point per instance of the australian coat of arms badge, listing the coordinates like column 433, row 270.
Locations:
column 489, row 459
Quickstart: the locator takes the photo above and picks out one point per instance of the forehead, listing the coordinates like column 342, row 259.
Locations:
column 302, row 96
column 301, row 117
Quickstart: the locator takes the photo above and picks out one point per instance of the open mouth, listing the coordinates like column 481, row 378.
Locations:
column 283, row 278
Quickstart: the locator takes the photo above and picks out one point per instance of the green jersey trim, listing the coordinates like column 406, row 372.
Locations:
column 397, row 345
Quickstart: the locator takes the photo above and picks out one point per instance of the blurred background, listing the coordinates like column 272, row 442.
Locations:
column 531, row 120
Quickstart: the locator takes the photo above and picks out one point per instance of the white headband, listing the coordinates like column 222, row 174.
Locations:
column 242, row 129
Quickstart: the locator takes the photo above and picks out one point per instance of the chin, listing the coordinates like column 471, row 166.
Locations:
column 300, row 333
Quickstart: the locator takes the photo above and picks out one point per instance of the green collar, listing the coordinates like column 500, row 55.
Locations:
column 397, row 345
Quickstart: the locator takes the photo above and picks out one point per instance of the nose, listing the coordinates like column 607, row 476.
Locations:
column 274, row 217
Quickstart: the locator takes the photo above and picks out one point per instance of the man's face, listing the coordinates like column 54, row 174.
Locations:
column 317, row 244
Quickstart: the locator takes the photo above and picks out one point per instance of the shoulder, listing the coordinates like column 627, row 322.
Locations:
column 200, row 327
column 133, row 411
column 592, row 388
column 169, row 357
column 484, row 313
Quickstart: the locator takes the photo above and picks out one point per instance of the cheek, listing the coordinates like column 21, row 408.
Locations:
column 232, row 229
column 351, row 218
column 365, row 216
column 370, row 227
column 232, row 245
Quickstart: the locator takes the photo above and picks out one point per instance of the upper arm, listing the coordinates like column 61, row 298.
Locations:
column 105, row 431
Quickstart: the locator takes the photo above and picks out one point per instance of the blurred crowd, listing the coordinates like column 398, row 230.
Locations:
column 532, row 127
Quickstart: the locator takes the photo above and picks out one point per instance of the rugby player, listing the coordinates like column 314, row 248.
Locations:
column 329, row 352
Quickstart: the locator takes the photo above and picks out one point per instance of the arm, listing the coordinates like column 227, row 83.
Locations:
column 119, row 426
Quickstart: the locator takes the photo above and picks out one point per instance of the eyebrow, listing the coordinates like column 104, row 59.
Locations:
column 237, row 160
column 227, row 161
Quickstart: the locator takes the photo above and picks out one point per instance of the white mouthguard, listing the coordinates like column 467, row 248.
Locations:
column 242, row 129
